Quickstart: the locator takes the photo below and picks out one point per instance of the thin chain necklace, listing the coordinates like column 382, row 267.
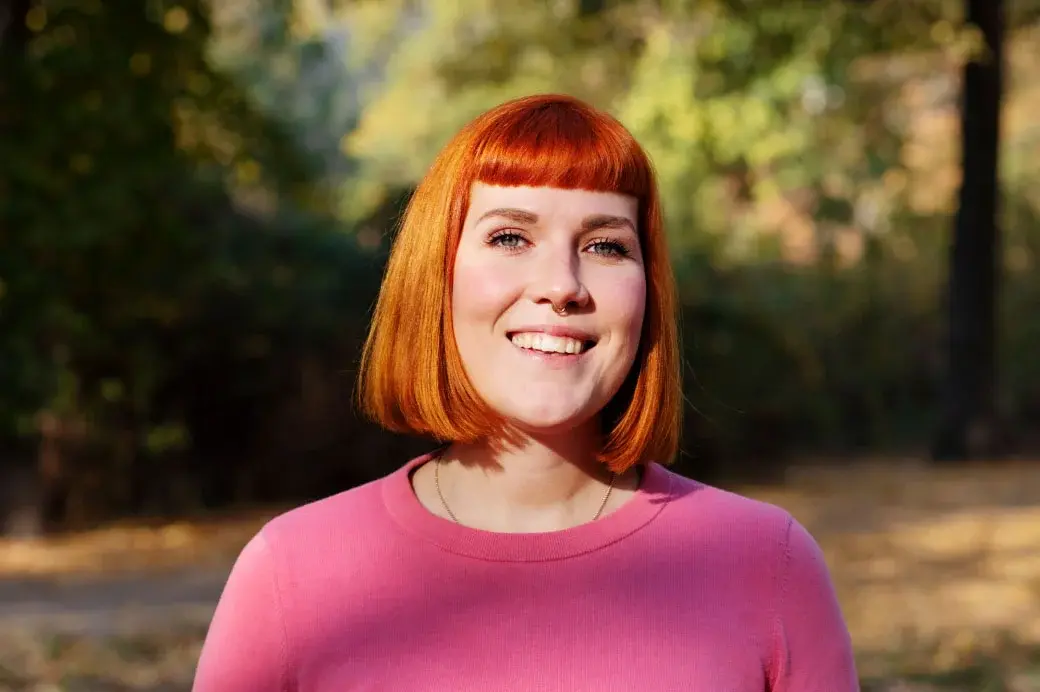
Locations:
column 437, row 482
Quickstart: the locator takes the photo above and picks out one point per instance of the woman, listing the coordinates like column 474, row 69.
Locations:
column 527, row 319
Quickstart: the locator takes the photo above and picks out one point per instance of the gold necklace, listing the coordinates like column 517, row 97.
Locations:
column 437, row 483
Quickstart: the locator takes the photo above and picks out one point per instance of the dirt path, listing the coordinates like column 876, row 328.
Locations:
column 123, row 578
column 108, row 606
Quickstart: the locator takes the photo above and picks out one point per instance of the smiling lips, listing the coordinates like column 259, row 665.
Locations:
column 544, row 342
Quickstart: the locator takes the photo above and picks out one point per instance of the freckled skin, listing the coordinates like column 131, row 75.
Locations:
column 510, row 269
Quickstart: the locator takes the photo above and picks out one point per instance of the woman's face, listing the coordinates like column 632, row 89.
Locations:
column 522, row 251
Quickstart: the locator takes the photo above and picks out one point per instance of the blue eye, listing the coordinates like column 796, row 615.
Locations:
column 609, row 248
column 507, row 240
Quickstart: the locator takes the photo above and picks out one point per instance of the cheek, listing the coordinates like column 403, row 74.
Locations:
column 622, row 302
column 480, row 290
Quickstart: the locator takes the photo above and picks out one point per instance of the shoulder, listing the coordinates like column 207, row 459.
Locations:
column 334, row 522
column 337, row 527
column 758, row 553
column 742, row 530
column 768, row 552
column 316, row 534
column 728, row 514
column 348, row 505
column 278, row 585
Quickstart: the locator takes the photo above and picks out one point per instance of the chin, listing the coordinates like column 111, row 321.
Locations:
column 550, row 420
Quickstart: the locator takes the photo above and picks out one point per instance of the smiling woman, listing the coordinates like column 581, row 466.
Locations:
column 527, row 322
column 525, row 160
column 529, row 283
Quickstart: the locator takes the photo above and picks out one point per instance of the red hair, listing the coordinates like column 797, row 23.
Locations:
column 412, row 379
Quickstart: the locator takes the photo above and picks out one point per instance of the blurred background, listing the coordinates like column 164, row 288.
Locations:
column 197, row 198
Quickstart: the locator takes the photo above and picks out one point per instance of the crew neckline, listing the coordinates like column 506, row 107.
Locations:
column 654, row 492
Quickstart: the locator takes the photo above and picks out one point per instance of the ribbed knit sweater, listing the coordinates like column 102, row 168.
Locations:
column 684, row 587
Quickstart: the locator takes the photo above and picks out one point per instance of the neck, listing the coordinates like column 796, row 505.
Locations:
column 526, row 483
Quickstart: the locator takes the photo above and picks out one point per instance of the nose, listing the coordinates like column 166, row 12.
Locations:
column 557, row 282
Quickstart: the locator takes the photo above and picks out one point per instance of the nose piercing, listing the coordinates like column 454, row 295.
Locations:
column 560, row 311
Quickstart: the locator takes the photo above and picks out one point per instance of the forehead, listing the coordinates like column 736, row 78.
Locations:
column 550, row 200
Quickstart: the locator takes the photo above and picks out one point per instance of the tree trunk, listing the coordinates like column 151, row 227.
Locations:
column 968, row 426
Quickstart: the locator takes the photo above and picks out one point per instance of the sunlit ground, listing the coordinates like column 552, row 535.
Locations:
column 938, row 572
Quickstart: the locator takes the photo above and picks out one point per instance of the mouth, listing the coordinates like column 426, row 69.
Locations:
column 550, row 344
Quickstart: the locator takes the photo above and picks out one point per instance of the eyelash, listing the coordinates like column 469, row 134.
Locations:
column 617, row 248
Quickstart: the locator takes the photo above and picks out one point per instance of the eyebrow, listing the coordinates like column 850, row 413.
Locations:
column 517, row 215
column 589, row 223
column 599, row 221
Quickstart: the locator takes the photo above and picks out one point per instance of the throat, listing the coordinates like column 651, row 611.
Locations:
column 519, row 500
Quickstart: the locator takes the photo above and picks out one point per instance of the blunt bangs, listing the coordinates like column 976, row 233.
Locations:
column 561, row 143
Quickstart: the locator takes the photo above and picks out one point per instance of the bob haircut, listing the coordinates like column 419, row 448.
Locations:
column 412, row 378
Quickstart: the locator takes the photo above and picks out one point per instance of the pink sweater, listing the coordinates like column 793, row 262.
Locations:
column 684, row 587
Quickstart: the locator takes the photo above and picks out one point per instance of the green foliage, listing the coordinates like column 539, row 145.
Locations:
column 142, row 191
column 721, row 94
column 193, row 204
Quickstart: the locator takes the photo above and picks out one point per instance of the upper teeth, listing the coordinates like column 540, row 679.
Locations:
column 548, row 343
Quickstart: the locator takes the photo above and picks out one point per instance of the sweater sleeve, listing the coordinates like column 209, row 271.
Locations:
column 246, row 645
column 813, row 646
